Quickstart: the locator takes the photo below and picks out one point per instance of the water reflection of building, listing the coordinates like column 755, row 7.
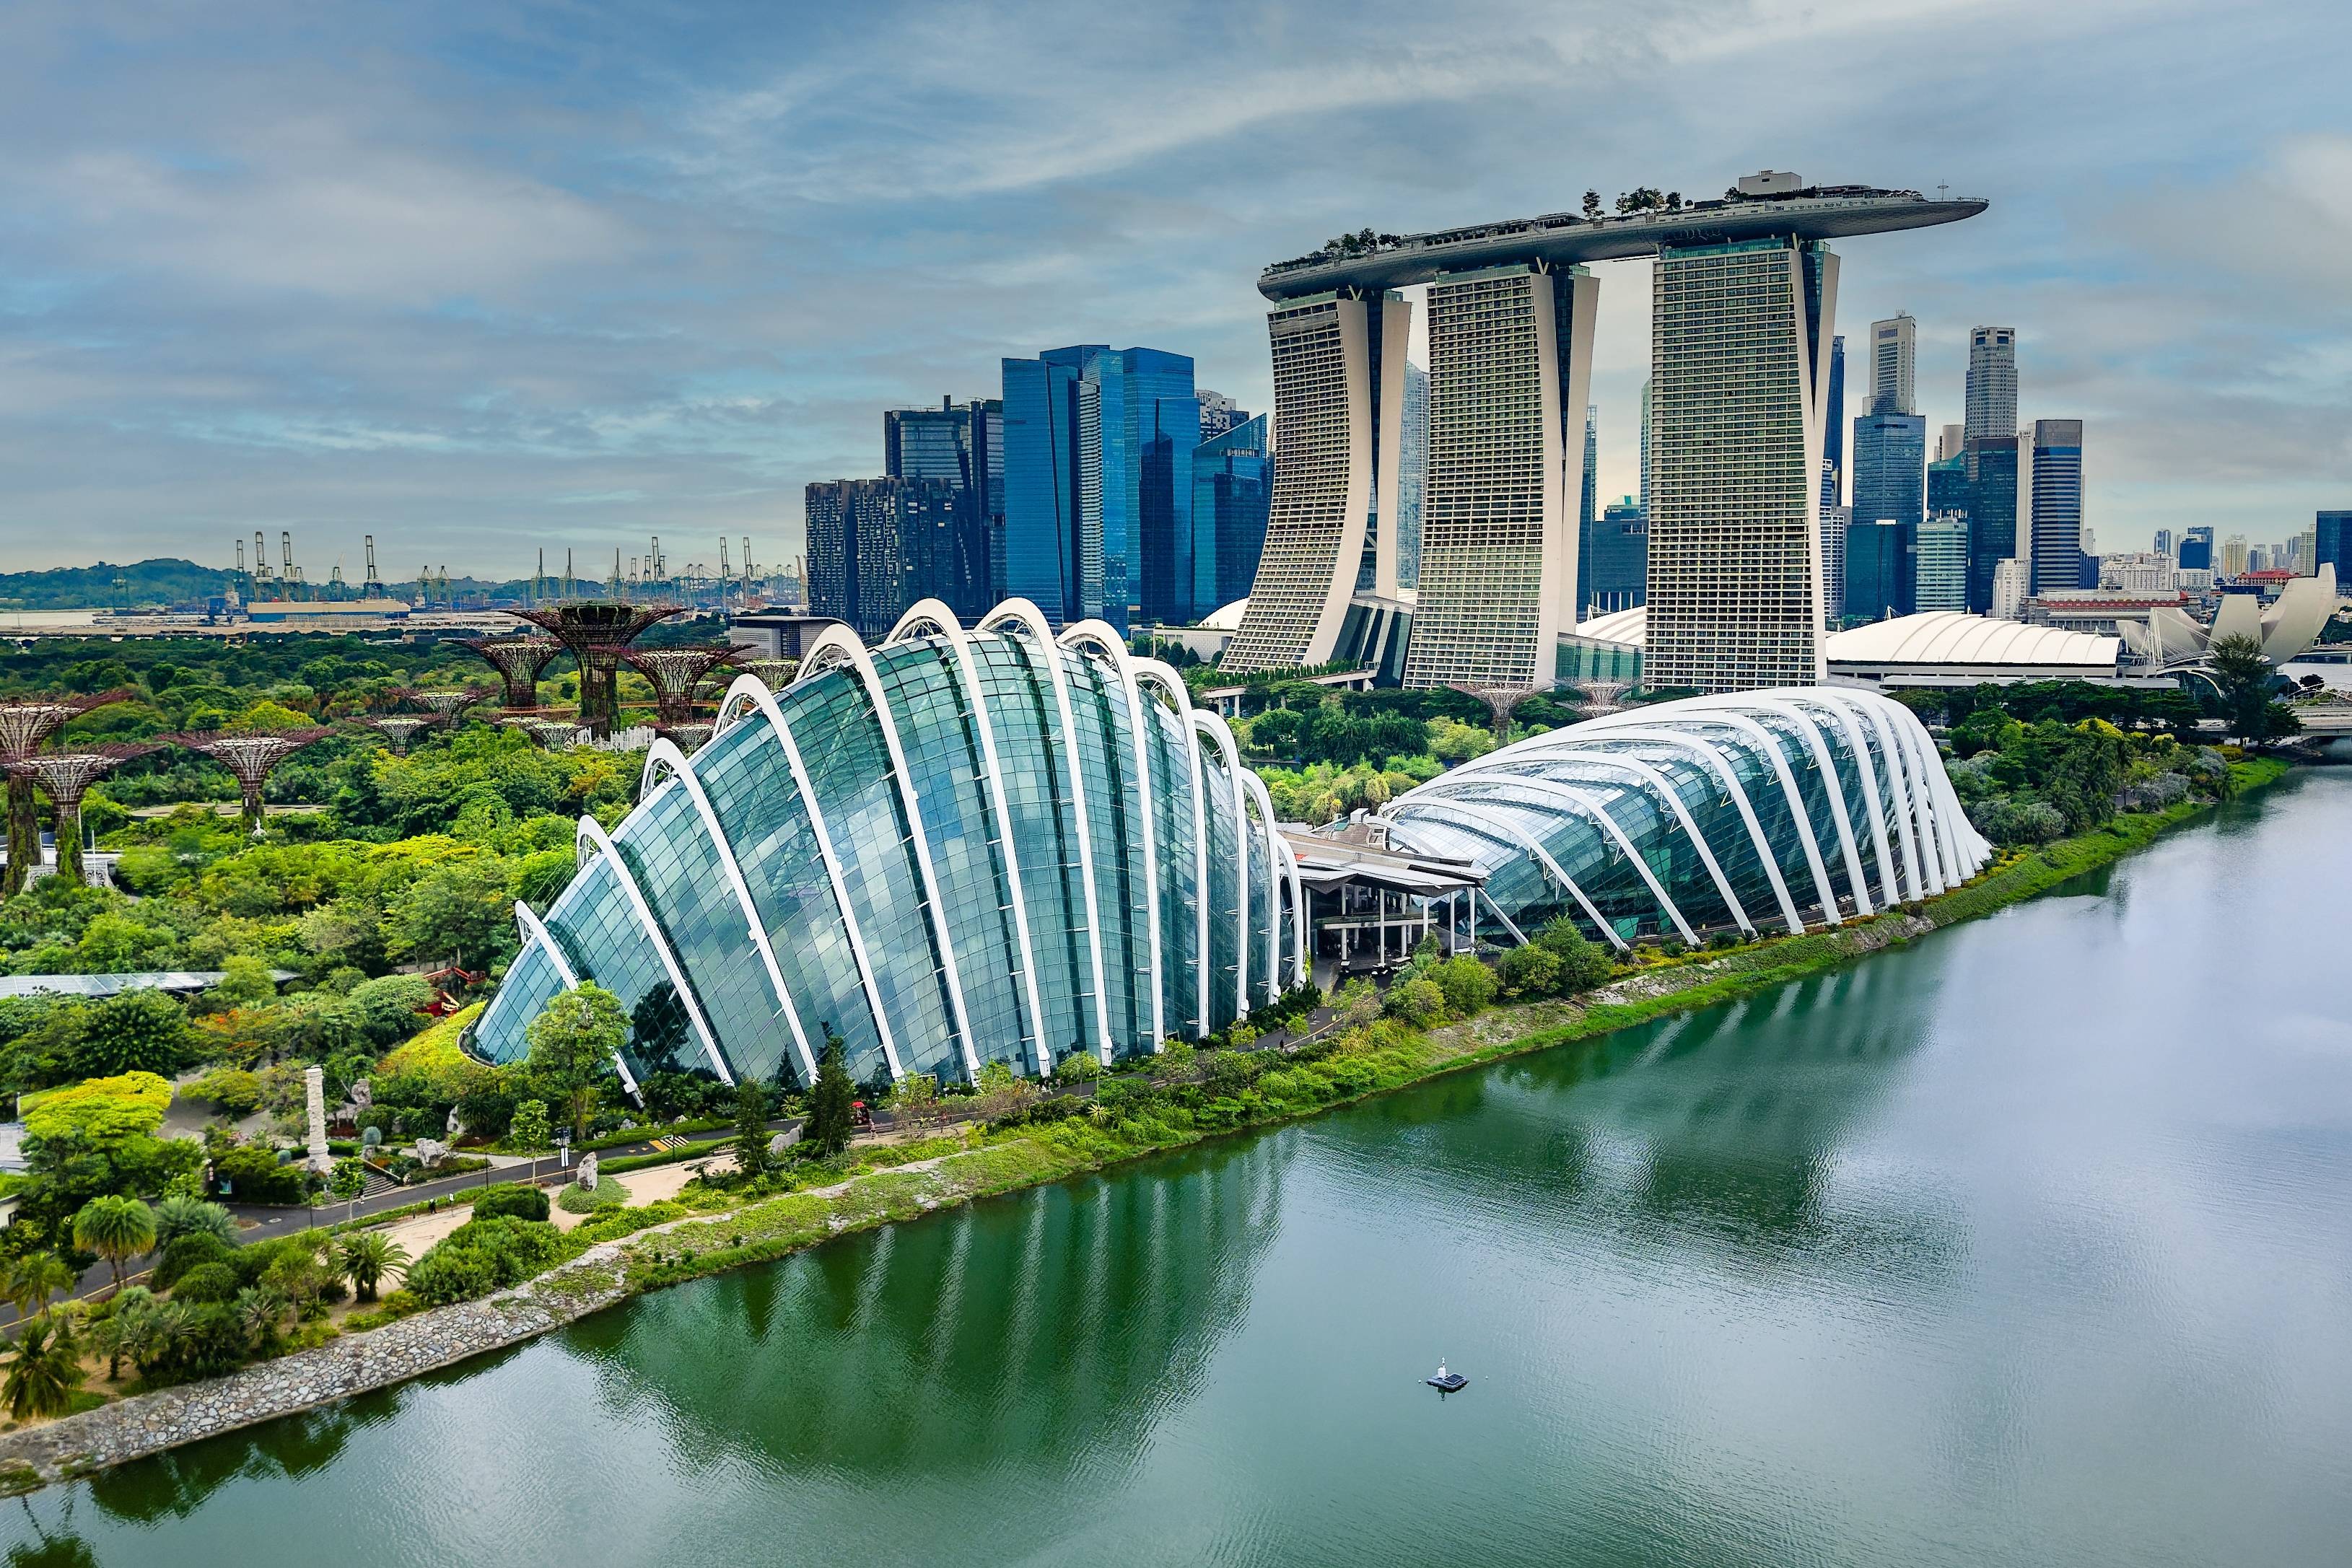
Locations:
column 1050, row 1325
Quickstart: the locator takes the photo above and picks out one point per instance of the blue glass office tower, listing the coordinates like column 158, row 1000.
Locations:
column 1833, row 429
column 1890, row 468
column 2196, row 548
column 2057, row 557
column 2331, row 542
column 1232, row 485
column 955, row 445
column 1881, row 566
column 1139, row 421
column 1992, row 512
column 1041, row 480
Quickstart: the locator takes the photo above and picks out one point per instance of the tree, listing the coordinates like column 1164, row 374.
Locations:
column 1582, row 963
column 1530, row 971
column 178, row 1216
column 32, row 1278
column 118, row 1228
column 1002, row 1092
column 833, row 1103
column 915, row 1100
column 1468, row 985
column 751, row 1128
column 528, row 1128
column 1591, row 204
column 138, row 1031
column 572, row 1043
column 44, row 1369
column 364, row 1260
column 2242, row 674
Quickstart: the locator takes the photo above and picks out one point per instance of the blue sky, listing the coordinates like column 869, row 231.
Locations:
column 483, row 278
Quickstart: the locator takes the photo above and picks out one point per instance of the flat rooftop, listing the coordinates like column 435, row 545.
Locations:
column 1560, row 240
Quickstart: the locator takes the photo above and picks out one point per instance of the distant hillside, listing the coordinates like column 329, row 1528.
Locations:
column 146, row 584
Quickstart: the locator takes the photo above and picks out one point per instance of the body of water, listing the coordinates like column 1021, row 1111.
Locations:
column 2031, row 1243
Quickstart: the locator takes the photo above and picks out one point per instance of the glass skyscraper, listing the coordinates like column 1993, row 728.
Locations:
column 2057, row 529
column 1881, row 570
column 1233, row 484
column 1834, row 433
column 1413, row 474
column 1941, row 565
column 1041, row 480
column 1890, row 468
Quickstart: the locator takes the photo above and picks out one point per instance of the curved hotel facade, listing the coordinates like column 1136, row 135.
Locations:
column 1761, row 811
column 958, row 847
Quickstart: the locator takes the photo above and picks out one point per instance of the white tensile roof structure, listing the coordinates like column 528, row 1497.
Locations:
column 1933, row 639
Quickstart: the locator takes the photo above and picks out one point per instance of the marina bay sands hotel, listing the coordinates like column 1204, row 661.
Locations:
column 1744, row 294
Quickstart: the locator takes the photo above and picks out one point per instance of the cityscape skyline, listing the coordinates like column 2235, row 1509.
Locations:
column 438, row 329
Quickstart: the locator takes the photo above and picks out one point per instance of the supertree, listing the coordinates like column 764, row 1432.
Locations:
column 596, row 632
column 66, row 776
column 517, row 660
column 689, row 734
column 1498, row 700
column 24, row 722
column 676, row 675
column 448, row 704
column 251, row 758
column 400, row 728
column 1601, row 697
column 551, row 733
column 774, row 674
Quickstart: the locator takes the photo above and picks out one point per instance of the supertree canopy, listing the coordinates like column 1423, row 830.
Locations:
column 24, row 723
column 401, row 729
column 251, row 758
column 678, row 674
column 517, row 660
column 596, row 632
column 65, row 776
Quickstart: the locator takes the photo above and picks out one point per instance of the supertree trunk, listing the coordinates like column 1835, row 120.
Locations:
column 23, row 836
column 68, row 834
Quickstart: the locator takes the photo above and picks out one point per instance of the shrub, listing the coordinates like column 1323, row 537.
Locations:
column 482, row 1256
column 251, row 1174
column 578, row 1200
column 513, row 1199
column 1528, row 972
column 1582, row 963
column 235, row 1090
column 1467, row 984
column 206, row 1282
column 1418, row 1002
column 183, row 1253
column 447, row 1274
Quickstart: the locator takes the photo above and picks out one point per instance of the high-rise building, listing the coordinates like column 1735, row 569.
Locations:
column 1835, row 521
column 1413, row 474
column 858, row 558
column 1993, row 486
column 2057, row 529
column 1939, row 577
column 1880, row 569
column 2234, row 555
column 1948, row 484
column 1992, row 404
column 2197, row 550
column 1233, row 483
column 1139, row 421
column 1949, row 443
column 1219, row 414
column 956, row 444
column 1890, row 469
column 1617, row 574
column 1338, row 408
column 1510, row 360
column 2163, row 541
column 1645, row 440
column 2331, row 538
column 1041, row 480
column 1894, row 365
column 1833, row 432
column 2008, row 591
column 1587, row 508
column 1740, row 337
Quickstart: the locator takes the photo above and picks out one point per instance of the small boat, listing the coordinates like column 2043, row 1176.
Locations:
column 1446, row 1381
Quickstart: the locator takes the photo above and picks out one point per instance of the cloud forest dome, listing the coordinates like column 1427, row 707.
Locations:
column 1785, row 808
column 959, row 847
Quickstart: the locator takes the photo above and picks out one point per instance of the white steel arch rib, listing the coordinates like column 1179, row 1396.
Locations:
column 1577, row 800
column 664, row 752
column 1213, row 727
column 1898, row 784
column 1030, row 618
column 1920, row 827
column 942, row 620
column 1711, row 757
column 1299, row 966
column 1652, row 778
column 1276, row 881
column 1106, row 640
column 751, row 689
column 592, row 832
column 534, row 930
column 1868, row 772
column 1510, row 830
column 1936, row 827
column 1832, row 785
column 1769, row 744
column 1154, row 673
column 839, row 638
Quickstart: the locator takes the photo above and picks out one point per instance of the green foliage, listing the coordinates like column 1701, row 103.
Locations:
column 207, row 1282
column 751, row 1128
column 1418, row 1001
column 1529, row 971
column 482, row 1256
column 105, row 1110
column 178, row 1216
column 528, row 1129
column 572, row 1043
column 606, row 1195
column 2244, row 678
column 249, row 1173
column 510, row 1199
column 187, row 1252
column 1583, row 964
column 42, row 1369
column 117, row 1228
column 367, row 1258
column 832, row 1117
column 32, row 1278
column 236, row 1091
column 1468, row 985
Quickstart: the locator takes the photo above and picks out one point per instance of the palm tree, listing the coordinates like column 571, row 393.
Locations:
column 44, row 1369
column 178, row 1216
column 32, row 1278
column 117, row 1228
column 259, row 1309
column 366, row 1258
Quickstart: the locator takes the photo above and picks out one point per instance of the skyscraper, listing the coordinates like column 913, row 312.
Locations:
column 1233, row 481
column 1587, row 510
column 1619, row 574
column 1219, row 414
column 1338, row 406
column 1510, row 358
column 1950, row 444
column 2331, row 537
column 1880, row 569
column 2234, row 555
column 1139, row 421
column 1894, row 365
column 2197, row 550
column 1413, row 474
column 1740, row 337
column 956, row 444
column 1948, row 484
column 1993, row 473
column 858, row 542
column 1991, row 403
column 1833, row 433
column 1890, row 469
column 2057, row 528
column 1041, row 480
column 2163, row 541
column 1835, row 521
column 1940, row 567
column 2009, row 591
column 1645, row 438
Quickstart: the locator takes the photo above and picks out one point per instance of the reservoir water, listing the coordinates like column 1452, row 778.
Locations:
column 2031, row 1243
